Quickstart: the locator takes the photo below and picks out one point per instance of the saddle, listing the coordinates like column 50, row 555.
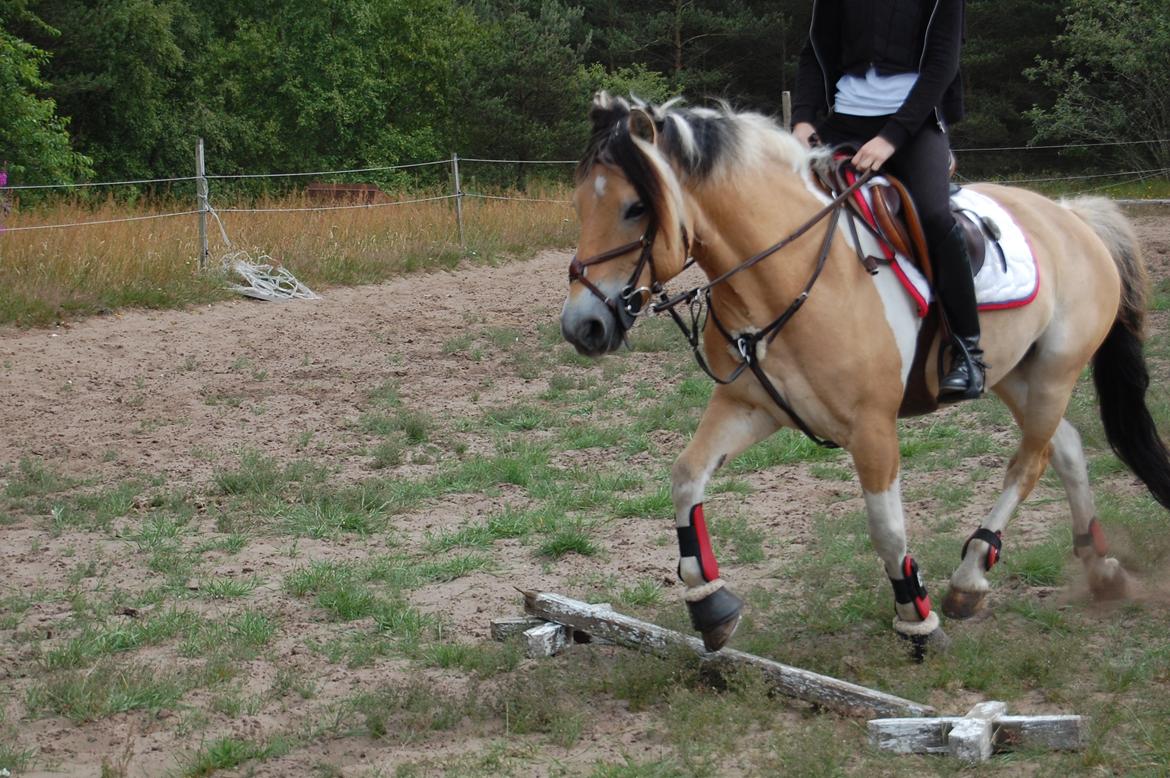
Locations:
column 893, row 218
column 897, row 221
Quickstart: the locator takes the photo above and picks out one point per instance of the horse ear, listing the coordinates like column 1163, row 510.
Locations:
column 642, row 126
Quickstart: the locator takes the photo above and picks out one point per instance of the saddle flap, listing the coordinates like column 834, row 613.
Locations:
column 898, row 218
column 887, row 207
column 976, row 242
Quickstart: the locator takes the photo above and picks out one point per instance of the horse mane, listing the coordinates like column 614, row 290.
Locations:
column 701, row 144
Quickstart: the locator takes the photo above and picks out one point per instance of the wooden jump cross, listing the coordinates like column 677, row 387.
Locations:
column 975, row 737
column 555, row 622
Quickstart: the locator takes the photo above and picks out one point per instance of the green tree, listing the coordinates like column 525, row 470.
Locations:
column 119, row 73
column 34, row 142
column 523, row 84
column 291, row 84
column 1112, row 78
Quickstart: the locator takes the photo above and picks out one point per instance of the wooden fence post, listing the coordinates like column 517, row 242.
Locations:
column 458, row 198
column 201, row 194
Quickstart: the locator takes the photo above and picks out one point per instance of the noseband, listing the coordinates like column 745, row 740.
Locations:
column 623, row 308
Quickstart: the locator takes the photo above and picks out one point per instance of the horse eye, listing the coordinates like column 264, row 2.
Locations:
column 636, row 210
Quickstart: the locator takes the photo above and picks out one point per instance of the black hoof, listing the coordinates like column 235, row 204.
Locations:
column 716, row 616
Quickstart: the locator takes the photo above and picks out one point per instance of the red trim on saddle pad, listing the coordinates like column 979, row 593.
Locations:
column 1024, row 301
column 707, row 561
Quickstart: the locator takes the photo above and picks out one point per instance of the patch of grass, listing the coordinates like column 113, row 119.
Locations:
column 657, row 505
column 386, row 393
column 644, row 593
column 228, row 588
column 1039, row 565
column 97, row 642
column 409, row 713
column 226, row 753
column 106, row 689
column 259, row 475
column 388, row 453
column 485, row 660
column 240, row 636
column 33, row 478
column 523, row 417
column 784, row 448
column 746, row 541
column 96, row 511
column 569, row 538
column 413, row 426
column 331, row 515
column 579, row 434
column 542, row 701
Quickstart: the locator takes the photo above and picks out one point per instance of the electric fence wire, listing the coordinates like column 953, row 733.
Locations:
column 101, row 221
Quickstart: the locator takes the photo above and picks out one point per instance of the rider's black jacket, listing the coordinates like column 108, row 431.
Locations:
column 895, row 36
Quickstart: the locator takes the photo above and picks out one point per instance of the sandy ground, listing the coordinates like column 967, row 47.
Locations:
column 170, row 396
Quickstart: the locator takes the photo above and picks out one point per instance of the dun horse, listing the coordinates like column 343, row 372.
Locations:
column 806, row 337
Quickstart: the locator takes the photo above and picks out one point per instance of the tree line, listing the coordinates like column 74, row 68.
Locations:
column 122, row 88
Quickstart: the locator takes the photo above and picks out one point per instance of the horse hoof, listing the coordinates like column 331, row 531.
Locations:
column 717, row 638
column 714, row 613
column 959, row 604
column 1108, row 580
column 924, row 637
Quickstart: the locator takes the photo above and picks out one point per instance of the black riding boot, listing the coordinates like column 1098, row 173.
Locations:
column 956, row 290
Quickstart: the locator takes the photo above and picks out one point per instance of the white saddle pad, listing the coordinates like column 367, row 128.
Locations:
column 1007, row 280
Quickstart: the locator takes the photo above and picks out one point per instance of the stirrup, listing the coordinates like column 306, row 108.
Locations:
column 976, row 371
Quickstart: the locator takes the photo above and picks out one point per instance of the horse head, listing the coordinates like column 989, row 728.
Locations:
column 634, row 225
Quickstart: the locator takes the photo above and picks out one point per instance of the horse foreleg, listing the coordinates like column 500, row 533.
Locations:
column 727, row 428
column 876, row 457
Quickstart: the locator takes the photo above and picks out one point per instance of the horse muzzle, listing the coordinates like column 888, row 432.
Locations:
column 593, row 326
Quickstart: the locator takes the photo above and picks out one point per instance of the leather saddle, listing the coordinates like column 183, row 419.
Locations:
column 894, row 218
column 897, row 220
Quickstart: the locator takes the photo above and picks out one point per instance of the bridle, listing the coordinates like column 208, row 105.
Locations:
column 624, row 309
column 744, row 344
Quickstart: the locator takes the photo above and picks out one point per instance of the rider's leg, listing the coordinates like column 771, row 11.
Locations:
column 922, row 164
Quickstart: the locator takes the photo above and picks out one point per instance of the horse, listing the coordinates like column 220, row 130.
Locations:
column 806, row 337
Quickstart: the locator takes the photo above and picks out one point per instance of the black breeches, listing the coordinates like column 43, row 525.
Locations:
column 922, row 164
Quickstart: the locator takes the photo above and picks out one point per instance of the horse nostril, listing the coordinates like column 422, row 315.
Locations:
column 592, row 332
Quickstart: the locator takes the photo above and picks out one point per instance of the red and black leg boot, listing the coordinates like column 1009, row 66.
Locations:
column 914, row 620
column 713, row 607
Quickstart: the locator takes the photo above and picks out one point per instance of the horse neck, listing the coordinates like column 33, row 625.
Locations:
column 741, row 215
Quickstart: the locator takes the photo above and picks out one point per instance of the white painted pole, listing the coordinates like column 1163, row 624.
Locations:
column 202, row 193
column 787, row 102
column 458, row 198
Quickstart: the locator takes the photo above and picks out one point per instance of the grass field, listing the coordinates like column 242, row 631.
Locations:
column 50, row 275
column 291, row 614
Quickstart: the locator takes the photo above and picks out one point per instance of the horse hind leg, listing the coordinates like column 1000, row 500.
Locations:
column 1107, row 578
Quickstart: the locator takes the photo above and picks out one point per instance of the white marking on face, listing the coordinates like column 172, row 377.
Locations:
column 599, row 185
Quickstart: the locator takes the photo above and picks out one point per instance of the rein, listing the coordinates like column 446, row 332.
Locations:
column 746, row 344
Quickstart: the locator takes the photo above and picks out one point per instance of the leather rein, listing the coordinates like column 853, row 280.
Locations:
column 700, row 297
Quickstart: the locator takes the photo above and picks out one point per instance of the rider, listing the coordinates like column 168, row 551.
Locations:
column 883, row 75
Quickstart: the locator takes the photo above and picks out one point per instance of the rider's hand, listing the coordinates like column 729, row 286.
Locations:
column 804, row 132
column 873, row 154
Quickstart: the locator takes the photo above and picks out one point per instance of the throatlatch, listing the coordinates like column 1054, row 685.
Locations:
column 910, row 588
column 995, row 542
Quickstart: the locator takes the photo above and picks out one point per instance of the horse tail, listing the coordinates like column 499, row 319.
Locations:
column 1119, row 366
